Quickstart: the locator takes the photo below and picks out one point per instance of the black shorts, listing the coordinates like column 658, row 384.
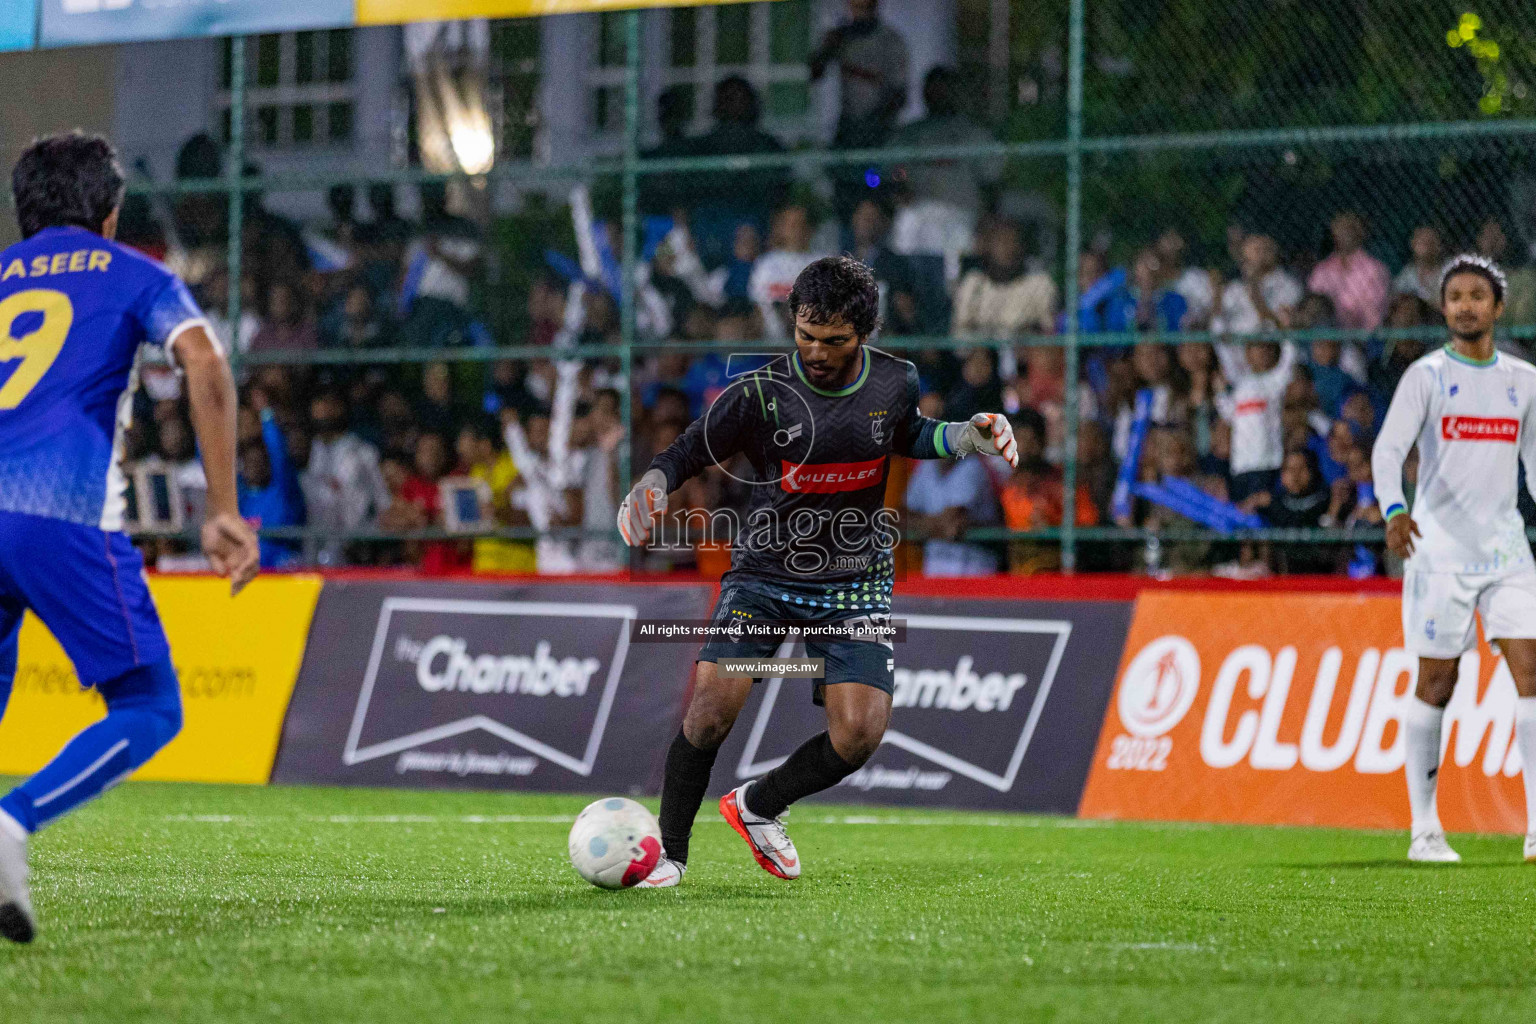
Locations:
column 872, row 663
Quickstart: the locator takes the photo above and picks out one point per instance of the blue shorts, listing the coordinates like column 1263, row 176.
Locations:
column 845, row 661
column 88, row 587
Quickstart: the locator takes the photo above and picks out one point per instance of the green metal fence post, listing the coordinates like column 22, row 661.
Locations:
column 630, row 219
column 235, row 173
column 1074, row 257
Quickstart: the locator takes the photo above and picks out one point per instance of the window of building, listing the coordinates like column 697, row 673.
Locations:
column 514, row 78
column 765, row 43
column 299, row 90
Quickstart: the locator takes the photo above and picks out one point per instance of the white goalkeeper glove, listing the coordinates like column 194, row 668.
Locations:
column 646, row 499
column 989, row 433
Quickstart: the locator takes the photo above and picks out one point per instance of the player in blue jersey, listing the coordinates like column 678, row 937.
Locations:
column 75, row 310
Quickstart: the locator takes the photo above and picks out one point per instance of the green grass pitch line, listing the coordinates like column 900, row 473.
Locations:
column 190, row 903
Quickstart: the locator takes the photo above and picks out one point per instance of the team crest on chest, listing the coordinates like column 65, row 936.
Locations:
column 877, row 426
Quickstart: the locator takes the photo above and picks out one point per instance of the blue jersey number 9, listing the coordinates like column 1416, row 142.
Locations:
column 40, row 347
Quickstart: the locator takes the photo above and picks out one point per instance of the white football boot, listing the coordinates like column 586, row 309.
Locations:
column 766, row 836
column 664, row 875
column 1530, row 847
column 17, row 921
column 1431, row 848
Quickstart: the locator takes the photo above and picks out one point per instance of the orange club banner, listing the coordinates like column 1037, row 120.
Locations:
column 1287, row 709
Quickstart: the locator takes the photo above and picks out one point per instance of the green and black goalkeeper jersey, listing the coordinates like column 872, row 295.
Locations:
column 816, row 522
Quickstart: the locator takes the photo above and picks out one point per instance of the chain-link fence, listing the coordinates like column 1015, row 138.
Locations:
column 1189, row 250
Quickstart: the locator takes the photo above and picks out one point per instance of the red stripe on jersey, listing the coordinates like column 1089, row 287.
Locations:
column 830, row 477
column 1250, row 406
column 1479, row 428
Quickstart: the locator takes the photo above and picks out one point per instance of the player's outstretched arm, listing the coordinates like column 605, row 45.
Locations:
column 1399, row 432
column 712, row 439
column 919, row 437
column 228, row 540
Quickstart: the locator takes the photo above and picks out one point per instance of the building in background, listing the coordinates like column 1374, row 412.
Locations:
column 340, row 100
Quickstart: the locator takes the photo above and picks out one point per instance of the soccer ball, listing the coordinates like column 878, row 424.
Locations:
column 615, row 843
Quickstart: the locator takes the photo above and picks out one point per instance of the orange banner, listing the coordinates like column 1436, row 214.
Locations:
column 1288, row 709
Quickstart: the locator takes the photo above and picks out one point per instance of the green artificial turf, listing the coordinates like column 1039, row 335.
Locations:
column 208, row 903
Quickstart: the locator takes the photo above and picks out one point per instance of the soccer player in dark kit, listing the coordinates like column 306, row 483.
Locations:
column 818, row 428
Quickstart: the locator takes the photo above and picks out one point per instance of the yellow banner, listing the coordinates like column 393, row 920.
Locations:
column 393, row 12
column 238, row 660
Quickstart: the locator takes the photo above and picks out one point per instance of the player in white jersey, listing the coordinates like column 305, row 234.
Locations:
column 1472, row 412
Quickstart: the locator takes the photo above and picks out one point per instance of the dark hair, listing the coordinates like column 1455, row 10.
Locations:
column 1330, row 316
column 675, row 393
column 736, row 101
column 1029, row 419
column 331, row 395
column 941, row 91
column 483, row 428
column 674, row 107
column 837, row 288
column 1315, row 485
column 1468, row 263
column 71, row 179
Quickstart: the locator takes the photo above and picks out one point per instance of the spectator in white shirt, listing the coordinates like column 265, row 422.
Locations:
column 1263, row 297
column 597, row 437
column 1193, row 283
column 943, row 198
column 1421, row 276
column 343, row 487
column 774, row 273
column 1001, row 298
column 1259, row 373
column 549, row 473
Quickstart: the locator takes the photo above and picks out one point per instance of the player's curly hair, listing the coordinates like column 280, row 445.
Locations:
column 69, row 179
column 837, row 288
column 1470, row 263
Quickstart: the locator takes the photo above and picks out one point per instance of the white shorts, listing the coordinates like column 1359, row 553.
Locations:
column 1438, row 607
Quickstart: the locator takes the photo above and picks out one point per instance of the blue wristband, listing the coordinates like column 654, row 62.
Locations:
column 1395, row 510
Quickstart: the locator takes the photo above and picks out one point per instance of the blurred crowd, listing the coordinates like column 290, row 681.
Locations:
column 1281, row 431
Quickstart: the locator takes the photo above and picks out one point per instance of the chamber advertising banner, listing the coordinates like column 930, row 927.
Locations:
column 1287, row 709
column 519, row 686
column 997, row 705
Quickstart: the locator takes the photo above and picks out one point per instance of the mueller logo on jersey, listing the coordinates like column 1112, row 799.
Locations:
column 831, row 477
column 1479, row 428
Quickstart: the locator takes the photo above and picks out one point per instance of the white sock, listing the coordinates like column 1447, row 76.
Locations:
column 1421, row 731
column 1525, row 739
column 13, row 828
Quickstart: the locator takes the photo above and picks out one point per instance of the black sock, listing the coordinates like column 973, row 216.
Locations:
column 687, row 778
column 814, row 767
